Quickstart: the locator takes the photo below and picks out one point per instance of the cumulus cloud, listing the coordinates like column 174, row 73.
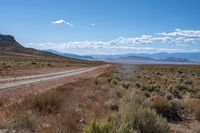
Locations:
column 177, row 37
column 61, row 21
column 182, row 37
column 167, row 41
column 183, row 33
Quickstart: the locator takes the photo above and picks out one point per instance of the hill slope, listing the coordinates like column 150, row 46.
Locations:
column 14, row 57
column 8, row 44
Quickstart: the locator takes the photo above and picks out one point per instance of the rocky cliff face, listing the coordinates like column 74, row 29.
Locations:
column 7, row 38
column 8, row 43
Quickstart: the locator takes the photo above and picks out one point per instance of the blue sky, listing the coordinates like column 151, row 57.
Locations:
column 103, row 26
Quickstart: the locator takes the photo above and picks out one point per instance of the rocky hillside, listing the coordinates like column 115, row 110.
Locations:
column 8, row 44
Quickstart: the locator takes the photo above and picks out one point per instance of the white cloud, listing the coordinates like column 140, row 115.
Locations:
column 93, row 24
column 61, row 21
column 178, row 37
column 166, row 42
column 182, row 37
column 183, row 33
column 96, row 46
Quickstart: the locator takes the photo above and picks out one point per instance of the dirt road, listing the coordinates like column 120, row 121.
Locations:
column 3, row 79
column 18, row 81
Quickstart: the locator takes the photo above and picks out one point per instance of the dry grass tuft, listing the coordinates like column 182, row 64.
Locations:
column 46, row 103
column 194, row 106
column 63, row 122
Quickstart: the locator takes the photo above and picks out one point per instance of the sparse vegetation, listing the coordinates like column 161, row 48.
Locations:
column 66, row 121
column 25, row 121
column 131, row 118
column 194, row 106
column 45, row 104
column 58, row 110
column 10, row 63
column 164, row 108
column 127, row 99
column 143, row 120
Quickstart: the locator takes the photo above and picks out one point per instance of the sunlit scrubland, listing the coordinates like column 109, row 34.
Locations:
column 127, row 99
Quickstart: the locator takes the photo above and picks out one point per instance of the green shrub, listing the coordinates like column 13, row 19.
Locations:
column 179, row 90
column 107, row 125
column 143, row 120
column 136, row 98
column 132, row 118
column 164, row 108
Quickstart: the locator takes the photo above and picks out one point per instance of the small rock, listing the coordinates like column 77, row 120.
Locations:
column 82, row 120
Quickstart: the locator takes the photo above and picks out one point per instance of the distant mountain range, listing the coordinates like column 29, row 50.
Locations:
column 8, row 44
column 157, row 56
column 135, row 58
column 195, row 56
column 71, row 55
column 139, row 58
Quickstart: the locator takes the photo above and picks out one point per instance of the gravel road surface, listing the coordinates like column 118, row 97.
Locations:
column 18, row 81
